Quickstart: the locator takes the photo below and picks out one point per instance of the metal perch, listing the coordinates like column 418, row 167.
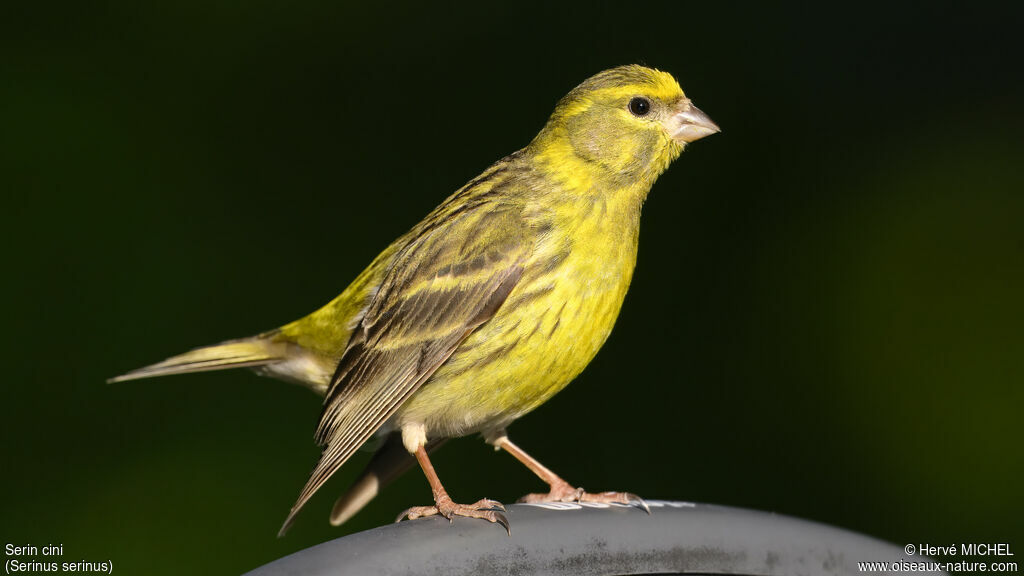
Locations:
column 573, row 539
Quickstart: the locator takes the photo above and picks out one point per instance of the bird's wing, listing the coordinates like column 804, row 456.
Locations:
column 452, row 276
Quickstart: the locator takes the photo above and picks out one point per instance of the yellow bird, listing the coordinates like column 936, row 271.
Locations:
column 489, row 306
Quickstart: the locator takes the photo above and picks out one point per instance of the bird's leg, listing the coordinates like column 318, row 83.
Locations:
column 489, row 510
column 562, row 491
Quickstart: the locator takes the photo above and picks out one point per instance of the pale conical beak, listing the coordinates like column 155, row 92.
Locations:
column 690, row 124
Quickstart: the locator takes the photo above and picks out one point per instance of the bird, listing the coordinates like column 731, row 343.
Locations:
column 486, row 308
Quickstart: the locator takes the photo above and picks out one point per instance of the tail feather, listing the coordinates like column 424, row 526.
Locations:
column 245, row 353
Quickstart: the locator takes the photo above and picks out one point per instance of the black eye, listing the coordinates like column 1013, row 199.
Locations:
column 639, row 106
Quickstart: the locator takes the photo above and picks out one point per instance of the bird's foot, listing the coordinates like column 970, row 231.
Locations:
column 490, row 510
column 564, row 492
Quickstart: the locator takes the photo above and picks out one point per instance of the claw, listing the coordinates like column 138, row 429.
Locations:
column 500, row 518
column 417, row 512
column 635, row 501
column 566, row 493
column 640, row 503
column 489, row 504
column 625, row 498
column 490, row 510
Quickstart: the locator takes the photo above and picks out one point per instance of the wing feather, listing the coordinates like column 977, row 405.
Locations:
column 449, row 279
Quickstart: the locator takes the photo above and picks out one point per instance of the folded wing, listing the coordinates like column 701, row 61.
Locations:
column 451, row 277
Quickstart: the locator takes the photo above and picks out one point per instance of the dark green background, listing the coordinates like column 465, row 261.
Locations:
column 826, row 320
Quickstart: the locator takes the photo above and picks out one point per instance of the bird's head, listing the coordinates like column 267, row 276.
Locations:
column 629, row 122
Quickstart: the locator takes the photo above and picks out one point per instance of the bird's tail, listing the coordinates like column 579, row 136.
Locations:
column 244, row 353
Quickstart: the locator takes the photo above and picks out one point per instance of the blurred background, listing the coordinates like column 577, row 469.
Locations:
column 826, row 320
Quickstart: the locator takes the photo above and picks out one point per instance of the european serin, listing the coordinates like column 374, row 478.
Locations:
column 490, row 305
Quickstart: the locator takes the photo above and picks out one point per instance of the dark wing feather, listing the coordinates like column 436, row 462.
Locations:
column 451, row 277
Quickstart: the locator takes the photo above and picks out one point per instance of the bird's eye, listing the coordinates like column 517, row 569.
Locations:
column 639, row 106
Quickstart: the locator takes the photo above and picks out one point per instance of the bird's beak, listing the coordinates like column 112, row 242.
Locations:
column 689, row 123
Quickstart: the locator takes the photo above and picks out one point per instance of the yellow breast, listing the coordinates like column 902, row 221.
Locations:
column 547, row 331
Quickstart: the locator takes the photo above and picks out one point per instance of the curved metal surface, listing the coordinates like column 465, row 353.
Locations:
column 570, row 539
